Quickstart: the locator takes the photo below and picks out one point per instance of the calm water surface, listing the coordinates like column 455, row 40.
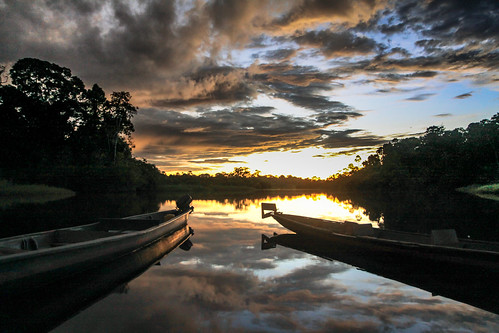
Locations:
column 226, row 283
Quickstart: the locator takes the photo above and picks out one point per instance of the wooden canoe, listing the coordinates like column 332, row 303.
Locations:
column 43, row 309
column 33, row 260
column 440, row 247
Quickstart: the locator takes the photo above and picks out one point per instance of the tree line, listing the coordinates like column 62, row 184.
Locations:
column 438, row 159
column 241, row 178
column 55, row 131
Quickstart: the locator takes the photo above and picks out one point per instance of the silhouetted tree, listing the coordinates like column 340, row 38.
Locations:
column 51, row 127
column 438, row 159
column 118, row 120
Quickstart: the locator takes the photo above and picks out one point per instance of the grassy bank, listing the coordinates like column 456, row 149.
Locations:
column 11, row 193
column 489, row 191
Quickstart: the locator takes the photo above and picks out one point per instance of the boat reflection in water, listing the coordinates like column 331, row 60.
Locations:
column 476, row 288
column 47, row 308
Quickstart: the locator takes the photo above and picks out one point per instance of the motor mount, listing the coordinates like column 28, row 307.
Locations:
column 184, row 203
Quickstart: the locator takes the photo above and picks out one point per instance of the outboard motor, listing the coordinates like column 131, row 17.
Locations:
column 184, row 203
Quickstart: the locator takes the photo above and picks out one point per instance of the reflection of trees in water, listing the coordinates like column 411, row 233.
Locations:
column 419, row 212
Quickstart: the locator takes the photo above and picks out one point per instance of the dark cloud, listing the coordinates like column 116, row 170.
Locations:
column 301, row 86
column 312, row 11
column 348, row 152
column 443, row 115
column 454, row 22
column 109, row 43
column 395, row 77
column 292, row 75
column 420, row 97
column 465, row 95
column 337, row 43
column 443, row 22
column 309, row 101
column 208, row 85
column 392, row 89
column 255, row 109
column 349, row 138
column 218, row 161
column 280, row 54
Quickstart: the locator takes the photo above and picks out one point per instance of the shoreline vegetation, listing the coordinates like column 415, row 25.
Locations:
column 56, row 132
column 489, row 191
column 11, row 194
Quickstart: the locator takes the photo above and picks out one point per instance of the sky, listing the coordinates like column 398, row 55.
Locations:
column 284, row 87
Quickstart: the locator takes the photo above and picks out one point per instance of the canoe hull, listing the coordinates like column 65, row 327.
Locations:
column 462, row 259
column 34, row 269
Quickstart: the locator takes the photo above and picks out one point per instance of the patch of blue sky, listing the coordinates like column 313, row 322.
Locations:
column 284, row 267
column 238, row 57
column 405, row 39
column 182, row 9
column 411, row 106
column 357, row 280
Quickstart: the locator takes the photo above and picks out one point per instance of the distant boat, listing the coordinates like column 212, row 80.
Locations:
column 441, row 247
column 33, row 260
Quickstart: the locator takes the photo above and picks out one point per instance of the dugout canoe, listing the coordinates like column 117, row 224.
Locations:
column 34, row 260
column 441, row 247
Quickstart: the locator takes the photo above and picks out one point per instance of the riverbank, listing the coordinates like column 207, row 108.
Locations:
column 11, row 193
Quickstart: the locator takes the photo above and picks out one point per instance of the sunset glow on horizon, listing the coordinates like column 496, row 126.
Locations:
column 286, row 88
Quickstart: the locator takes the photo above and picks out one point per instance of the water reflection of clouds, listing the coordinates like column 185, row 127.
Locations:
column 226, row 283
column 231, row 299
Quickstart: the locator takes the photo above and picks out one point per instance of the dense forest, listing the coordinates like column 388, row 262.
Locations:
column 56, row 132
column 439, row 159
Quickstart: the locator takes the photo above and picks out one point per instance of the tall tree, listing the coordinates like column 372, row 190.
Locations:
column 118, row 121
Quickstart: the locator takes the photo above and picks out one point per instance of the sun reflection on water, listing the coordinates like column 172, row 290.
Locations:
column 320, row 205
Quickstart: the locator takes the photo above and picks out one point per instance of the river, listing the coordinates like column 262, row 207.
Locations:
column 227, row 283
